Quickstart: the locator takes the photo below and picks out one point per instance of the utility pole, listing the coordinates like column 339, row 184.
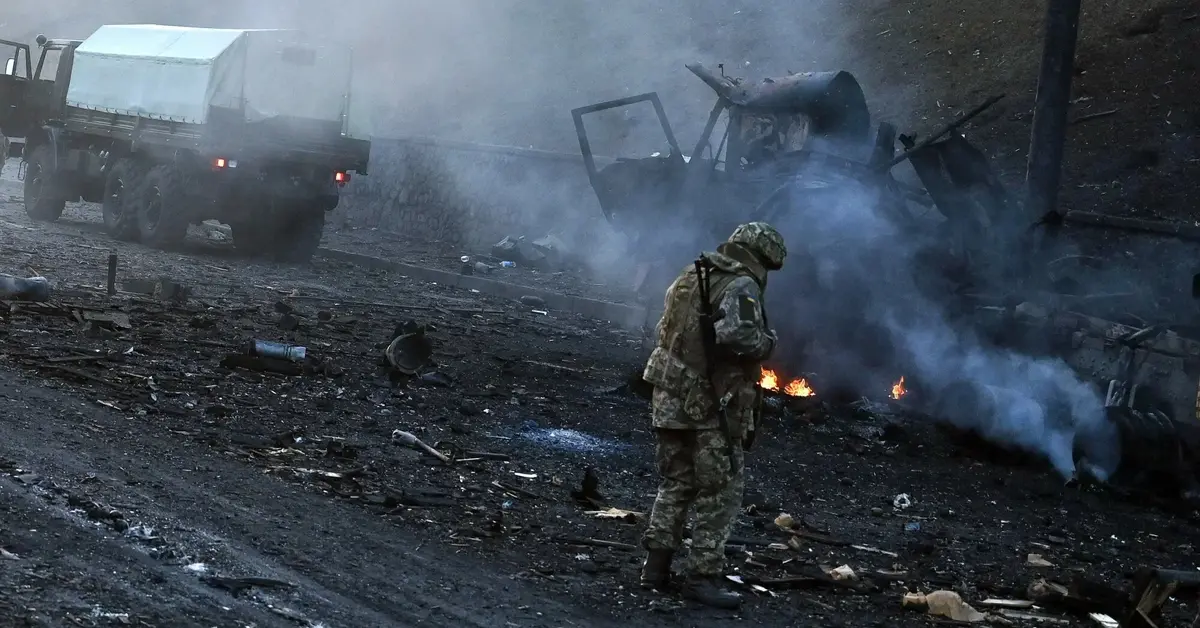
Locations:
column 1044, row 172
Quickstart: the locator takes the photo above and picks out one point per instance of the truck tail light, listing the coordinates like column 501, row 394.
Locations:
column 220, row 163
column 341, row 177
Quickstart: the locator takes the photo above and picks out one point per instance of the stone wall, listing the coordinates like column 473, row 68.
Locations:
column 471, row 195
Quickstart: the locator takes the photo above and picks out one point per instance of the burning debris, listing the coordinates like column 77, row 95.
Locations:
column 898, row 389
column 798, row 387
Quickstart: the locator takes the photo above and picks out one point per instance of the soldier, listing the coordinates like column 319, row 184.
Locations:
column 705, row 401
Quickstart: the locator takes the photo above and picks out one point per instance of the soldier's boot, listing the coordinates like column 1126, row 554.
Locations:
column 656, row 571
column 707, row 590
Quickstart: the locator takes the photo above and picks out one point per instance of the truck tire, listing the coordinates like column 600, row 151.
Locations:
column 42, row 202
column 119, row 205
column 299, row 236
column 162, row 221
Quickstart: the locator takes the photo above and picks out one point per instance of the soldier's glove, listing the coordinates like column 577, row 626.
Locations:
column 748, row 441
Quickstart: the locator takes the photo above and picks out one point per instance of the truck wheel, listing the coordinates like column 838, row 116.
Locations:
column 299, row 236
column 119, row 207
column 161, row 219
column 41, row 198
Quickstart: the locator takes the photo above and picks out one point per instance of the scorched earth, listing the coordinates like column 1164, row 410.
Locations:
column 148, row 480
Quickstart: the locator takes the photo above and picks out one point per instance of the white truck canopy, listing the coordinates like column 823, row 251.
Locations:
column 178, row 73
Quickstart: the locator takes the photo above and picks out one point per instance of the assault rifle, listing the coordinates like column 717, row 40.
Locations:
column 708, row 335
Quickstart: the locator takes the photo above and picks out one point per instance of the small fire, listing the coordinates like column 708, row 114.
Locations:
column 794, row 388
column 798, row 388
column 898, row 389
column 769, row 380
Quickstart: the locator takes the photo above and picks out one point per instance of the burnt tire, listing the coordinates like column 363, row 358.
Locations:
column 162, row 221
column 44, row 200
column 119, row 207
column 299, row 236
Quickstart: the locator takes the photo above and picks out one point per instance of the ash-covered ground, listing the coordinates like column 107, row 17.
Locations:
column 146, row 484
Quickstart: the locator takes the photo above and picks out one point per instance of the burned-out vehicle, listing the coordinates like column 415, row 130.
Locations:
column 961, row 264
column 788, row 146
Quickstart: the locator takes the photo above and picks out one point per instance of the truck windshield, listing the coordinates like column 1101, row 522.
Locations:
column 47, row 68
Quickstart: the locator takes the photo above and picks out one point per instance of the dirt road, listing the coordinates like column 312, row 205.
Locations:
column 189, row 517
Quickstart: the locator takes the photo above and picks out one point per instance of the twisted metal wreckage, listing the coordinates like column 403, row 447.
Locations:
column 794, row 145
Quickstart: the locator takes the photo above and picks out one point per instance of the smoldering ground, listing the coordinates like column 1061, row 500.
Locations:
column 856, row 305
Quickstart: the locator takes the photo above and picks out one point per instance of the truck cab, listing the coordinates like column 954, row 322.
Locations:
column 32, row 93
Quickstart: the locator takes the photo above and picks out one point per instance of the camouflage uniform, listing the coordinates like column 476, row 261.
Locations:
column 694, row 463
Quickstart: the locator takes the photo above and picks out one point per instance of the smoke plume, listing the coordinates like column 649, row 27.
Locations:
column 862, row 294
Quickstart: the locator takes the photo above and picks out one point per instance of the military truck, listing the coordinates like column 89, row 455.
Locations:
column 168, row 126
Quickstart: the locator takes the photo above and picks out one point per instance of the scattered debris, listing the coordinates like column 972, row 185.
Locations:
column 533, row 301
column 617, row 513
column 1151, row 589
column 842, row 574
column 1035, row 617
column 410, row 349
column 589, row 491
column 902, row 501
column 407, row 439
column 437, row 378
column 36, row 289
column 266, row 365
column 1036, row 560
column 554, row 249
column 237, row 586
column 946, row 604
column 520, row 251
column 278, row 351
column 168, row 290
column 596, row 543
column 875, row 550
column 1010, row 604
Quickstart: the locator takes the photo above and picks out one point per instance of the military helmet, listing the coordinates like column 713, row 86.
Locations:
column 764, row 240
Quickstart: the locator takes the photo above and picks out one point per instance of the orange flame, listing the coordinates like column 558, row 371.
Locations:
column 898, row 389
column 795, row 388
column 798, row 388
column 769, row 380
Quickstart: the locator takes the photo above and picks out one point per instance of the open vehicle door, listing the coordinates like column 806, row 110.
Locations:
column 611, row 185
column 14, row 88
